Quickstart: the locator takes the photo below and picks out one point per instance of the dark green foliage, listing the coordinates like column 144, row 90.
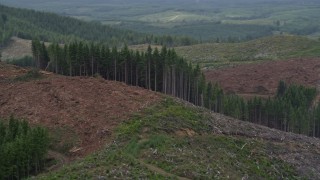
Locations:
column 281, row 89
column 22, row 149
column 26, row 61
column 162, row 71
column 292, row 110
column 30, row 24
column 206, row 31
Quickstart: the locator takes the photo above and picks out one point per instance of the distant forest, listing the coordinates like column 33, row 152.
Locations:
column 49, row 27
column 294, row 109
column 204, row 20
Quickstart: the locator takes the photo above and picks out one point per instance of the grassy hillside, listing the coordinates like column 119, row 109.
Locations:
column 173, row 140
column 268, row 48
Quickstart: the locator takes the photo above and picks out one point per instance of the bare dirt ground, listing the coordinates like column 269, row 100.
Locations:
column 263, row 78
column 9, row 71
column 91, row 107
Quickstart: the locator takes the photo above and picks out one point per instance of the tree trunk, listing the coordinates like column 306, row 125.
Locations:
column 146, row 77
column 149, row 74
column 125, row 72
column 137, row 77
column 189, row 89
column 155, row 78
column 115, row 69
column 70, row 70
column 92, row 66
column 131, row 73
column 57, row 66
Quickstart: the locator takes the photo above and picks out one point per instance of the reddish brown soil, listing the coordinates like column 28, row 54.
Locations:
column 92, row 107
column 263, row 78
column 9, row 71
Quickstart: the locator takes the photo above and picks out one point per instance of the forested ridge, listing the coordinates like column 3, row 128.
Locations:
column 50, row 27
column 294, row 109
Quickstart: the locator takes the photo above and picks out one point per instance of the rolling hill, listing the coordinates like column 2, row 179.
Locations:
column 264, row 49
column 103, row 129
column 204, row 20
column 142, row 134
column 50, row 27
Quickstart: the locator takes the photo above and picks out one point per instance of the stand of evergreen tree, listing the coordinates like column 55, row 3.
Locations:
column 293, row 109
column 22, row 149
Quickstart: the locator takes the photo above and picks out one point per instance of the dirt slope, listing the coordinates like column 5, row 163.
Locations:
column 263, row 78
column 90, row 107
column 9, row 71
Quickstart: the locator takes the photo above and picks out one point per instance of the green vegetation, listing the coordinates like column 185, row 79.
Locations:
column 269, row 48
column 205, row 31
column 49, row 27
column 63, row 139
column 22, row 149
column 205, row 20
column 150, row 146
column 292, row 110
column 26, row 61
column 157, row 70
column 169, row 140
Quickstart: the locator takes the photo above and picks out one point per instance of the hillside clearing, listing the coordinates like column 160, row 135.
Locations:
column 264, row 49
column 17, row 48
column 82, row 112
column 263, row 78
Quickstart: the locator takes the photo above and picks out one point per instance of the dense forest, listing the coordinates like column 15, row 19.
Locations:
column 292, row 110
column 29, row 24
column 22, row 149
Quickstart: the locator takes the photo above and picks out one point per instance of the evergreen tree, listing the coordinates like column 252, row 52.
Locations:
column 22, row 149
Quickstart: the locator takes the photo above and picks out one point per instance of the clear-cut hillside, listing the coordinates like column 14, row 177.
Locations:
column 137, row 133
column 86, row 108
